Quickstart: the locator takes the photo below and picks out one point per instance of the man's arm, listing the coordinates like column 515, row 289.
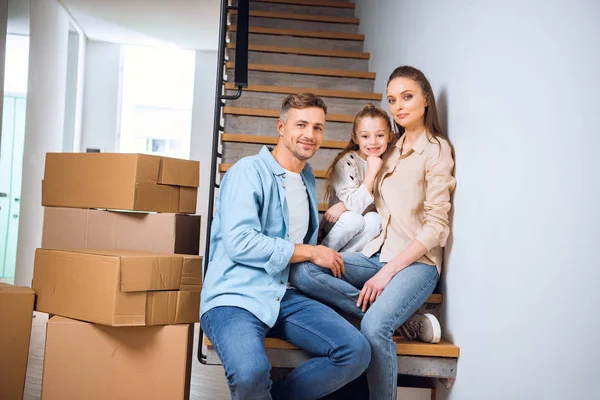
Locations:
column 322, row 256
column 240, row 200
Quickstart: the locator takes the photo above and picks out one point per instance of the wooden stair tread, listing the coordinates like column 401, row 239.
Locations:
column 316, row 3
column 302, row 17
column 258, row 112
column 344, row 94
column 341, row 73
column 302, row 33
column 244, row 138
column 305, row 52
column 403, row 348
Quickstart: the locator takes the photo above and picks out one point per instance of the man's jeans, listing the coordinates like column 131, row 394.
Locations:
column 340, row 352
column 401, row 298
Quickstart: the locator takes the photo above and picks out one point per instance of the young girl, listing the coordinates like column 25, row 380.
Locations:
column 351, row 220
column 394, row 274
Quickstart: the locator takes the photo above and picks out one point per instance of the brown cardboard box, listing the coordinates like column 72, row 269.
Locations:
column 16, row 310
column 118, row 287
column 75, row 228
column 95, row 362
column 137, row 182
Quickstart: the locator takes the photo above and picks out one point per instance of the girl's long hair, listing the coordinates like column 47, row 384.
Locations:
column 370, row 111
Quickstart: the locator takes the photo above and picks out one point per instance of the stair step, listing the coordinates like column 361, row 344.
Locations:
column 272, row 140
column 260, row 99
column 257, row 112
column 302, row 17
column 337, row 73
column 267, row 125
column 305, row 51
column 268, row 56
column 300, row 41
column 298, row 80
column 264, row 19
column 343, row 94
column 314, row 3
column 403, row 348
column 302, row 33
column 304, row 7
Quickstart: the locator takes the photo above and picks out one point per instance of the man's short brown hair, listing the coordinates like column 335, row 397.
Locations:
column 301, row 101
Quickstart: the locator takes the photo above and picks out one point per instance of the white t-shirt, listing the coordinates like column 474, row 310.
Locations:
column 297, row 200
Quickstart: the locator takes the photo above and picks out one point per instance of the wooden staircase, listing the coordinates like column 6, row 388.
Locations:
column 309, row 46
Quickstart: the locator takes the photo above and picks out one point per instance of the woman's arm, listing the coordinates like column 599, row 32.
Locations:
column 435, row 231
column 374, row 286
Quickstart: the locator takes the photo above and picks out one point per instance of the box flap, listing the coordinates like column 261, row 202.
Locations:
column 148, row 168
column 187, row 200
column 6, row 288
column 191, row 276
column 178, row 172
column 161, row 308
column 150, row 196
column 188, row 307
column 140, row 273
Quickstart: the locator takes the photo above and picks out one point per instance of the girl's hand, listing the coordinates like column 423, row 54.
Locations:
column 374, row 164
column 334, row 212
column 373, row 287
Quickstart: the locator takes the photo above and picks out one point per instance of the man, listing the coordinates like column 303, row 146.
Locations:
column 266, row 219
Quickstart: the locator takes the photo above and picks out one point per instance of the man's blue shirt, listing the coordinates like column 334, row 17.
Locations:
column 250, row 248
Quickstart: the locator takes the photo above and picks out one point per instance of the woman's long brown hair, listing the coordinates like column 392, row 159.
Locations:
column 370, row 111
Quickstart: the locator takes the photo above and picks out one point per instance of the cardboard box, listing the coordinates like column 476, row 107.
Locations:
column 118, row 287
column 76, row 228
column 136, row 182
column 16, row 310
column 95, row 362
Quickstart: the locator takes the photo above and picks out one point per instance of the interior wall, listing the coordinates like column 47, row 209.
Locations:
column 517, row 84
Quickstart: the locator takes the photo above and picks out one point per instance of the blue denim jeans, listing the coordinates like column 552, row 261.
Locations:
column 340, row 352
column 401, row 298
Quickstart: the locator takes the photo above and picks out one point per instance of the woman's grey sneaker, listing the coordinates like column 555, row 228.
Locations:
column 423, row 327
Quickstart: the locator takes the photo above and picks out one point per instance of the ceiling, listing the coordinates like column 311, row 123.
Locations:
column 190, row 24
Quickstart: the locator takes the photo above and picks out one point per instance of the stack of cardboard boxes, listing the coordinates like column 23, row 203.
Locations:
column 123, row 286
column 16, row 307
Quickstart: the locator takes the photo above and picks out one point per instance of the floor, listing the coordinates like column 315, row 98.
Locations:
column 208, row 381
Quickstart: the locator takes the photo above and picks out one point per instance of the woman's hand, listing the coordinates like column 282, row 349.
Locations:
column 334, row 212
column 374, row 286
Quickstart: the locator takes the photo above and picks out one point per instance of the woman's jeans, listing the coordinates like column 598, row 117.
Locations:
column 402, row 297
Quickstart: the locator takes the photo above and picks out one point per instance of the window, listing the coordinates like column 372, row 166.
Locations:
column 157, row 97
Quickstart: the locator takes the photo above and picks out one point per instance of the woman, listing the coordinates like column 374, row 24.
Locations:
column 398, row 270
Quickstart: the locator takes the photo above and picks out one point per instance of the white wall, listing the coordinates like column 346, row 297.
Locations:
column 101, row 98
column 202, row 128
column 518, row 84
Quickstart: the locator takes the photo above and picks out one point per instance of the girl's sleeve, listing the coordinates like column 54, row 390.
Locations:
column 347, row 188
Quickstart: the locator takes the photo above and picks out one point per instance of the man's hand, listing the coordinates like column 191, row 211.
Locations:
column 327, row 258
column 334, row 212
column 374, row 165
column 373, row 288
